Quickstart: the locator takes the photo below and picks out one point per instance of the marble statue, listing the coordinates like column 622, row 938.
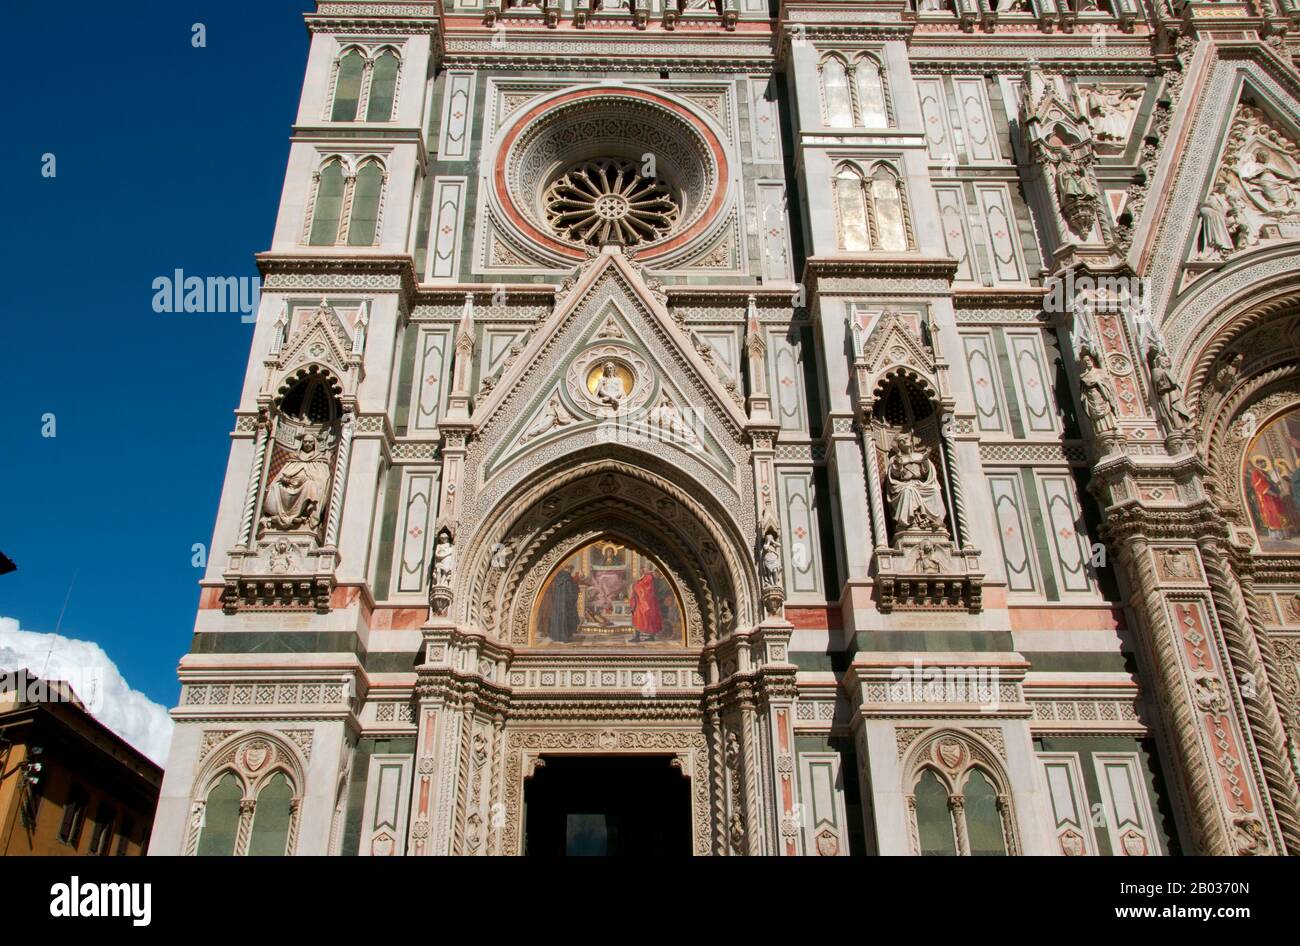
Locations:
column 915, row 495
column 610, row 389
column 555, row 415
column 1096, row 393
column 296, row 496
column 1268, row 186
column 771, row 560
column 1215, row 239
column 1110, row 111
column 1170, row 409
column 444, row 559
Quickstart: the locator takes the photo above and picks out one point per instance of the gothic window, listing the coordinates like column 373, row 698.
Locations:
column 851, row 208
column 346, row 205
column 869, row 86
column 957, row 801
column 934, row 817
column 271, row 818
column 853, row 94
column 221, row 817
column 365, row 204
column 351, row 71
column 328, row 208
column 837, row 100
column 366, row 84
column 383, row 87
column 887, row 202
column 872, row 213
column 983, row 816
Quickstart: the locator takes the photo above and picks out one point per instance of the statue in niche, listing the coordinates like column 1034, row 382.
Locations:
column 912, row 478
column 1075, row 191
column 770, row 560
column 296, row 495
column 1109, row 111
column 444, row 560
column 1170, row 409
column 610, row 390
column 1215, row 239
column 689, row 6
column 930, row 6
column 1270, row 187
column 611, row 6
column 1097, row 394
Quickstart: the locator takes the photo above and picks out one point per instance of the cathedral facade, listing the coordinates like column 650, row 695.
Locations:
column 737, row 427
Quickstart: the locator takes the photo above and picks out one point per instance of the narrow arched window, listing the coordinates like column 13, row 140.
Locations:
column 983, row 817
column 934, row 817
column 221, row 818
column 887, row 200
column 271, row 817
column 365, row 204
column 383, row 86
column 328, row 207
column 870, row 84
column 347, row 86
column 835, row 93
column 851, row 204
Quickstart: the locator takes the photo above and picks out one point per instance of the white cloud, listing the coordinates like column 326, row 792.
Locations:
column 96, row 680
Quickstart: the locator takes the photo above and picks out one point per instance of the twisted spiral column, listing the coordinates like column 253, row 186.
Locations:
column 254, row 482
column 1209, row 833
column 1267, row 735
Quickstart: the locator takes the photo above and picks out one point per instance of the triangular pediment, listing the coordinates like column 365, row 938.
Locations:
column 612, row 360
column 1251, row 198
column 1212, row 203
column 321, row 338
column 893, row 342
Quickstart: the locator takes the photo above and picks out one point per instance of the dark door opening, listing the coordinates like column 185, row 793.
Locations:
column 615, row 806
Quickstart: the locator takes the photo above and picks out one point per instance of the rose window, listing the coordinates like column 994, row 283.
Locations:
column 609, row 200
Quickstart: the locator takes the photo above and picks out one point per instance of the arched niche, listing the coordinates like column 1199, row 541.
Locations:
column 306, row 416
column 691, row 542
column 1270, row 482
column 607, row 591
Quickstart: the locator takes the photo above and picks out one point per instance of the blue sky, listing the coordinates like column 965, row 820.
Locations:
column 167, row 157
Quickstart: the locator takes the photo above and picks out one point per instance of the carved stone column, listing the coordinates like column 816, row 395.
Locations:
column 1187, row 660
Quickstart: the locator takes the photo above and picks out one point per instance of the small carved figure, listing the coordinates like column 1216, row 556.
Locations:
column 281, row 557
column 444, row 559
column 771, row 559
column 553, row 416
column 1170, row 409
column 610, row 389
column 671, row 424
column 1268, row 186
column 915, row 496
column 1239, row 225
column 1215, row 240
column 1097, row 395
column 501, row 554
column 1109, row 111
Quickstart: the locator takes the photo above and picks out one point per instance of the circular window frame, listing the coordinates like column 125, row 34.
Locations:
column 551, row 111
